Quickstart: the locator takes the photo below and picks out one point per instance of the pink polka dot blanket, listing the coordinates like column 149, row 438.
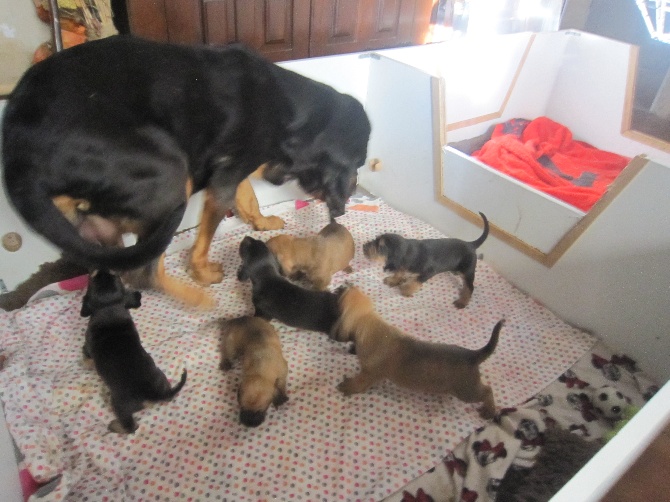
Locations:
column 319, row 445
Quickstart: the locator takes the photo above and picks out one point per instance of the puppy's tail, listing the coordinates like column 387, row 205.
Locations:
column 34, row 204
column 174, row 390
column 483, row 353
column 485, row 233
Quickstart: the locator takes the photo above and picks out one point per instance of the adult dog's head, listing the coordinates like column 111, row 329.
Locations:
column 327, row 142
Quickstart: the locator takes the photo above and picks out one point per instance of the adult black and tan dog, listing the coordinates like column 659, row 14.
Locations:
column 113, row 344
column 414, row 261
column 114, row 135
column 275, row 297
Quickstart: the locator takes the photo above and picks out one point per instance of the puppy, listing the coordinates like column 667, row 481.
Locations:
column 316, row 257
column 384, row 352
column 113, row 344
column 414, row 261
column 264, row 369
column 275, row 297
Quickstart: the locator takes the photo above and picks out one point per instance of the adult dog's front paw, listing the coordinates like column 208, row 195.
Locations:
column 206, row 273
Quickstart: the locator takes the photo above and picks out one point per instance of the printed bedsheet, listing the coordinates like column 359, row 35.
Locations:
column 319, row 445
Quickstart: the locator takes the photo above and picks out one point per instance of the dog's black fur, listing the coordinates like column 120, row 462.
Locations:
column 124, row 123
column 112, row 341
column 275, row 297
column 428, row 257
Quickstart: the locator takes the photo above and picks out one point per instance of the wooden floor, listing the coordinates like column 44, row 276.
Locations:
column 648, row 480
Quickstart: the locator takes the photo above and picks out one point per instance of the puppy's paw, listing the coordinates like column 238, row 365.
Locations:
column 87, row 363
column 460, row 304
column 345, row 387
column 225, row 365
column 206, row 273
column 409, row 288
column 268, row 223
column 391, row 281
column 486, row 412
column 116, row 427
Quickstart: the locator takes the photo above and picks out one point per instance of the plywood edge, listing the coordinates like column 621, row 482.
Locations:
column 495, row 230
column 497, row 114
column 629, row 98
column 625, row 177
column 570, row 237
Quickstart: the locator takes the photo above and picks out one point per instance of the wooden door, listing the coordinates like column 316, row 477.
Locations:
column 279, row 29
column 342, row 26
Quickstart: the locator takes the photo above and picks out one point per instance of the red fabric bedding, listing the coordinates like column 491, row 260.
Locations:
column 543, row 154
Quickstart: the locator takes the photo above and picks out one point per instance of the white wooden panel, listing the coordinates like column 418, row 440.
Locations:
column 479, row 73
column 399, row 106
column 514, row 207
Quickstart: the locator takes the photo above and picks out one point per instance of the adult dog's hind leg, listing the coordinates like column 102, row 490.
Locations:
column 466, row 291
column 249, row 211
column 201, row 269
column 190, row 295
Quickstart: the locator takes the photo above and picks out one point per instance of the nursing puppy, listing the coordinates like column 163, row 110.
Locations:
column 317, row 257
column 113, row 343
column 414, row 261
column 384, row 352
column 264, row 369
column 275, row 297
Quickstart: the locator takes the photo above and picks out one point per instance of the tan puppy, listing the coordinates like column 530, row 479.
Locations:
column 318, row 257
column 264, row 369
column 384, row 352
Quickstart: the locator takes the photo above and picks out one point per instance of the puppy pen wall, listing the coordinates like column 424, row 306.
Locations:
column 603, row 270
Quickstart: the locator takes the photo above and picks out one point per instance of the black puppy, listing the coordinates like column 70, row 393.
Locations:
column 90, row 132
column 275, row 297
column 414, row 261
column 113, row 343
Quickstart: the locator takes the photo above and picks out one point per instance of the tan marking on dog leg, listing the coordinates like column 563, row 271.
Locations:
column 249, row 211
column 201, row 269
column 463, row 298
column 409, row 287
column 357, row 384
column 88, row 363
column 115, row 426
column 190, row 295
column 70, row 206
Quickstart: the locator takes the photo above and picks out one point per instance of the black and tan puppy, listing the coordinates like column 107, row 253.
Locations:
column 385, row 352
column 264, row 369
column 113, row 343
column 113, row 136
column 414, row 261
column 317, row 257
column 275, row 297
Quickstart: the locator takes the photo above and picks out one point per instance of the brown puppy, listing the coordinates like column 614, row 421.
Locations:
column 318, row 257
column 264, row 369
column 414, row 261
column 384, row 352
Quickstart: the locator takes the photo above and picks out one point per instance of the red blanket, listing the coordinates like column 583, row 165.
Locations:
column 542, row 154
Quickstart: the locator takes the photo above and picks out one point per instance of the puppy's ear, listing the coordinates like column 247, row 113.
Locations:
column 279, row 398
column 244, row 245
column 85, row 308
column 133, row 299
column 242, row 273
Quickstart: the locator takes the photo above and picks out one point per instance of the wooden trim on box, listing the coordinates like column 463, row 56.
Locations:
column 439, row 135
column 631, row 82
column 629, row 104
column 625, row 177
column 570, row 237
column 494, row 115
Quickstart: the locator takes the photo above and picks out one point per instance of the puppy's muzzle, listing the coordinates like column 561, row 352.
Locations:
column 252, row 418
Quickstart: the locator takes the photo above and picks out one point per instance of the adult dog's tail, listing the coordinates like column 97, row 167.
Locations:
column 485, row 233
column 483, row 353
column 35, row 206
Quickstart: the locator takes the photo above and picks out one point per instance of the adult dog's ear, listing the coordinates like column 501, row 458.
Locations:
column 133, row 299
